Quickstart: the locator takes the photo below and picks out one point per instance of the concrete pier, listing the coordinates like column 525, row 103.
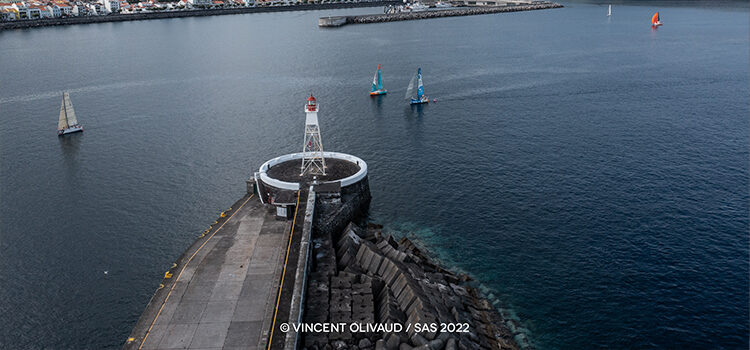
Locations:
column 332, row 21
column 223, row 292
column 408, row 16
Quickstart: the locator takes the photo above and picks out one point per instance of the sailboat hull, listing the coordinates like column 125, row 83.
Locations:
column 69, row 130
column 415, row 101
column 378, row 92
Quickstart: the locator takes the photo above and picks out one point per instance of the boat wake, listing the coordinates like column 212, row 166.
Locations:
column 94, row 88
column 479, row 92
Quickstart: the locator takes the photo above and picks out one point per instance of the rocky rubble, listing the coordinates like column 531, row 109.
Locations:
column 364, row 276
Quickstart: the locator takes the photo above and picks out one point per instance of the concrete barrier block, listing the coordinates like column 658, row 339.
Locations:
column 399, row 284
column 360, row 252
column 367, row 256
column 392, row 341
column 337, row 317
column 340, row 336
column 450, row 344
column 436, row 344
column 417, row 339
column 339, row 307
column 318, row 340
column 406, row 299
column 375, row 264
column 384, row 266
column 390, row 271
column 341, row 282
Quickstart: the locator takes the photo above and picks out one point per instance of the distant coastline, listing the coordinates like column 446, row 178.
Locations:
column 48, row 22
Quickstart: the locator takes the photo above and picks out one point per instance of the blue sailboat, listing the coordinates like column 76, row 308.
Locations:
column 420, row 98
column 377, row 84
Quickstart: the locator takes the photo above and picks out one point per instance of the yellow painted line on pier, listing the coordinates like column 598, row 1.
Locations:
column 185, row 266
column 283, row 273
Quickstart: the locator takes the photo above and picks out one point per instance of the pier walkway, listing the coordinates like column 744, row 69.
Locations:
column 223, row 292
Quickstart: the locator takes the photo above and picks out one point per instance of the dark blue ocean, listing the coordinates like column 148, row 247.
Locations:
column 590, row 173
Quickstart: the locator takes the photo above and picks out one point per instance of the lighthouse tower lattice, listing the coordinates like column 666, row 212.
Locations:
column 313, row 162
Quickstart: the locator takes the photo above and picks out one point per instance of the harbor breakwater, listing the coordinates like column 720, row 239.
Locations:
column 361, row 276
column 338, row 21
column 48, row 22
column 257, row 272
column 381, row 292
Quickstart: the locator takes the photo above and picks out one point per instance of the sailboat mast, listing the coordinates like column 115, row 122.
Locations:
column 67, row 122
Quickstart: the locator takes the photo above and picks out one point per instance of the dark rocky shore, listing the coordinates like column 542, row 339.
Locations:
column 367, row 277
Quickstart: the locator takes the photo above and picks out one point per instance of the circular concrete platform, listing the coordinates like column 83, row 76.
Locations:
column 336, row 169
column 283, row 172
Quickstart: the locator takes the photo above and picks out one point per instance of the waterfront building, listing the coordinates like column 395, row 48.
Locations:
column 23, row 11
column 8, row 13
column 44, row 12
column 80, row 9
column 200, row 2
column 38, row 11
column 96, row 9
column 65, row 8
column 110, row 5
column 54, row 11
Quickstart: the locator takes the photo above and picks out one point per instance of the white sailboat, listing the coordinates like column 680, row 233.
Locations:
column 68, row 123
column 420, row 98
column 609, row 11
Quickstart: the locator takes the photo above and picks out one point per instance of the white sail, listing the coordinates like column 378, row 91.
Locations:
column 410, row 89
column 609, row 11
column 62, row 123
column 69, row 111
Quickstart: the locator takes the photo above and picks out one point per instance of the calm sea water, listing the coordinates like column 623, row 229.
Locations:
column 589, row 172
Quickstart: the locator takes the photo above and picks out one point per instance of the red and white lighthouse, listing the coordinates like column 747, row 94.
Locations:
column 313, row 162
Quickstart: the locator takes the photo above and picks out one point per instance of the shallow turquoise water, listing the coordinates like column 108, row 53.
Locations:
column 592, row 173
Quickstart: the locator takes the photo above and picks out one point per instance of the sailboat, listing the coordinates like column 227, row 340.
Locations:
column 609, row 11
column 377, row 84
column 68, row 123
column 656, row 20
column 420, row 98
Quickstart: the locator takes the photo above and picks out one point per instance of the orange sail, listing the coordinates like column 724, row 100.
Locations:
column 655, row 18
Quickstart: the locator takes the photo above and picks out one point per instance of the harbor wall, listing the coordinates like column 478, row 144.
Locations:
column 408, row 16
column 296, row 310
column 335, row 211
column 48, row 22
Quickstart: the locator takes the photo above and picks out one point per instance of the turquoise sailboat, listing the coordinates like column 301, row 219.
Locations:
column 377, row 84
column 420, row 97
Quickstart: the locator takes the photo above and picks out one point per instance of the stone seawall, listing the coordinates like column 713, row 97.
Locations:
column 363, row 276
column 335, row 211
column 20, row 24
column 407, row 16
